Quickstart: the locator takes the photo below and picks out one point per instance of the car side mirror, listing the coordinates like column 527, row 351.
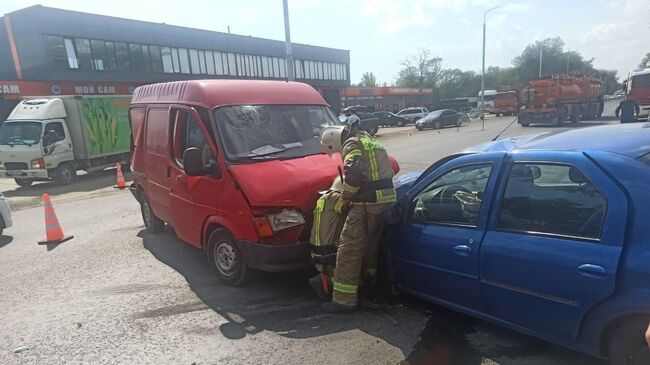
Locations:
column 193, row 162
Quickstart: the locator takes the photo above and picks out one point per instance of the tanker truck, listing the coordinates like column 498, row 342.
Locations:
column 556, row 98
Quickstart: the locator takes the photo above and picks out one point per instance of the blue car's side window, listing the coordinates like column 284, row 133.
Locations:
column 454, row 198
column 554, row 199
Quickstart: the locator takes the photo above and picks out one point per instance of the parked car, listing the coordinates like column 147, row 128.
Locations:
column 235, row 166
column 369, row 122
column 441, row 118
column 474, row 113
column 547, row 235
column 363, row 108
column 414, row 114
column 5, row 214
column 387, row 118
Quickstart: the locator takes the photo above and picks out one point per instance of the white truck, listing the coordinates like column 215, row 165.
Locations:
column 51, row 138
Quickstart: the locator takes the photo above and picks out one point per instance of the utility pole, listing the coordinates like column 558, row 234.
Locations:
column 287, row 36
column 541, row 51
column 483, row 70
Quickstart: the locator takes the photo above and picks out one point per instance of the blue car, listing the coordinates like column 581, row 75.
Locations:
column 548, row 235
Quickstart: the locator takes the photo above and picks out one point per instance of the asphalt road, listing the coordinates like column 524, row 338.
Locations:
column 116, row 294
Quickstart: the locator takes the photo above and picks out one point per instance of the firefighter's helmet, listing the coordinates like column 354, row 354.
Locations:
column 330, row 139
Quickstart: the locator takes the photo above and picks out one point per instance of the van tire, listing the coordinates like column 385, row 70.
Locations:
column 627, row 344
column 151, row 222
column 226, row 258
column 65, row 174
column 24, row 183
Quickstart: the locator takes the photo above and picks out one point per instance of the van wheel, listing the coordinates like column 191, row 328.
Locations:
column 226, row 259
column 151, row 222
column 65, row 174
column 627, row 344
column 24, row 182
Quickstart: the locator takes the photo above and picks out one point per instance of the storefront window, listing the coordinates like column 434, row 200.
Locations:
column 209, row 62
column 145, row 59
column 220, row 67
column 137, row 61
column 84, row 54
column 99, row 54
column 110, row 56
column 167, row 60
column 194, row 61
column 56, row 52
column 156, row 61
column 71, row 54
column 122, row 55
column 184, row 60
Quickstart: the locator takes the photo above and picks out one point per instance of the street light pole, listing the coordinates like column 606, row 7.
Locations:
column 287, row 36
column 483, row 70
column 541, row 51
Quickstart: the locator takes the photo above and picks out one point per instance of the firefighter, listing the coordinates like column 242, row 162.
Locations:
column 628, row 110
column 367, row 193
column 325, row 235
column 353, row 118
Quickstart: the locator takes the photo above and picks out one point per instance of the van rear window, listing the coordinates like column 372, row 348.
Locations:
column 260, row 132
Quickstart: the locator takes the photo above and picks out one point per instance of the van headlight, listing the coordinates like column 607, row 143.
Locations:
column 285, row 219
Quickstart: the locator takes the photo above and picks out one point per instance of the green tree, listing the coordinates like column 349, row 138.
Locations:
column 368, row 79
column 645, row 60
column 610, row 80
column 554, row 60
column 420, row 70
column 502, row 78
column 455, row 83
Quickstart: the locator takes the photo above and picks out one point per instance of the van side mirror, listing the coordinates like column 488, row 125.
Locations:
column 193, row 162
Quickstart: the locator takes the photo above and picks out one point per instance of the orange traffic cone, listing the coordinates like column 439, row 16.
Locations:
column 121, row 184
column 53, row 231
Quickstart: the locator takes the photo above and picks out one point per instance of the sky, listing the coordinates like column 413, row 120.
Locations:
column 381, row 33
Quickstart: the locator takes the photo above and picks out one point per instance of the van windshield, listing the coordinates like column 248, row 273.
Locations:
column 12, row 133
column 261, row 132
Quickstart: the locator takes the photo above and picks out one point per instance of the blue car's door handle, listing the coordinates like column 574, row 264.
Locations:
column 592, row 270
column 462, row 250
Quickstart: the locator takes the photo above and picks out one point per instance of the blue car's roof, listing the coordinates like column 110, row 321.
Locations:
column 631, row 139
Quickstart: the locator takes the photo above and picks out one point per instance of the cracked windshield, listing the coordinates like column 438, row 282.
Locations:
column 391, row 182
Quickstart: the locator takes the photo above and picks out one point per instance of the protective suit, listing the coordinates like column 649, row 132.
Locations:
column 367, row 192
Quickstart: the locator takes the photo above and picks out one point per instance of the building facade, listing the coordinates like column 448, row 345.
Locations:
column 48, row 51
column 392, row 99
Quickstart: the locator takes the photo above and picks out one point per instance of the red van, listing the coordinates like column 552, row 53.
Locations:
column 234, row 166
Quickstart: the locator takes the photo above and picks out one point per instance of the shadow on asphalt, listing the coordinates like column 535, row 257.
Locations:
column 83, row 183
column 279, row 302
column 5, row 240
column 284, row 303
column 452, row 338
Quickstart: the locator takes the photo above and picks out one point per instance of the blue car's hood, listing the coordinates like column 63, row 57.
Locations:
column 403, row 183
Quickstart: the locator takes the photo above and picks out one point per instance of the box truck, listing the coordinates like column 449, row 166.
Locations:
column 51, row 138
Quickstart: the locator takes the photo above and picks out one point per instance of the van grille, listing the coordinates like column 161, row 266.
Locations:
column 16, row 165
